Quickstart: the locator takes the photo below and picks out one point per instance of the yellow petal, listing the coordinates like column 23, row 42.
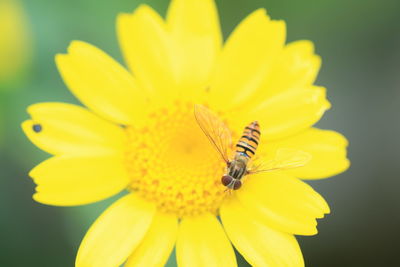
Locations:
column 283, row 202
column 297, row 67
column 285, row 114
column 195, row 30
column 202, row 242
column 259, row 244
column 60, row 128
column 69, row 181
column 157, row 244
column 246, row 58
column 147, row 49
column 327, row 148
column 102, row 84
column 116, row 233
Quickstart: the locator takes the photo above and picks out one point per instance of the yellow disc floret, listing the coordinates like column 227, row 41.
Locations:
column 172, row 163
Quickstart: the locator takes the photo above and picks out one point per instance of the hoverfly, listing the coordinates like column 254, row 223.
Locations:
column 240, row 165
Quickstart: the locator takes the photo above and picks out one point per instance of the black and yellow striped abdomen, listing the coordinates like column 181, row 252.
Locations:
column 248, row 143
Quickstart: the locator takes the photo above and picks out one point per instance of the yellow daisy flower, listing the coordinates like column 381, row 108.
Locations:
column 139, row 134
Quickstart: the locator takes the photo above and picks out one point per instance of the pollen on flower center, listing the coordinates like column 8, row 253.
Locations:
column 172, row 163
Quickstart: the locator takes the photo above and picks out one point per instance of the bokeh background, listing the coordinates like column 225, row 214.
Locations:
column 359, row 41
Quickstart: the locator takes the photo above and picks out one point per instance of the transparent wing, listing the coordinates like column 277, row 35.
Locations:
column 285, row 159
column 215, row 130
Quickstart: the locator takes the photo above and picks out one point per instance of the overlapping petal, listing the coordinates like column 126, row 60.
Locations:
column 116, row 233
column 295, row 68
column 202, row 242
column 60, row 128
column 259, row 244
column 157, row 244
column 196, row 33
column 69, row 180
column 246, row 58
column 148, row 51
column 285, row 114
column 102, row 84
column 173, row 58
column 327, row 148
column 283, row 202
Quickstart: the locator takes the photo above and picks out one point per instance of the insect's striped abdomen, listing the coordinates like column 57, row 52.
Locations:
column 249, row 141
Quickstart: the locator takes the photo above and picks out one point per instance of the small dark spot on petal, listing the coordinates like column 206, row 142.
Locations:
column 37, row 128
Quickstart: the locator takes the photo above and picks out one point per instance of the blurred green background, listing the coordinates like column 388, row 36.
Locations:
column 359, row 41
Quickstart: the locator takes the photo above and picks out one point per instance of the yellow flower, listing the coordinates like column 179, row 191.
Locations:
column 138, row 133
column 15, row 41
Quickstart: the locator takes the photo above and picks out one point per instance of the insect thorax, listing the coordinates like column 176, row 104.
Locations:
column 237, row 167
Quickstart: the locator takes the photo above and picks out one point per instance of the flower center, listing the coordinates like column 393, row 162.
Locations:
column 172, row 163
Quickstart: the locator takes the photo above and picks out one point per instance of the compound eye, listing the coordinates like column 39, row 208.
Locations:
column 226, row 179
column 237, row 185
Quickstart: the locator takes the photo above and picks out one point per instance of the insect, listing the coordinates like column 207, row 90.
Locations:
column 241, row 164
